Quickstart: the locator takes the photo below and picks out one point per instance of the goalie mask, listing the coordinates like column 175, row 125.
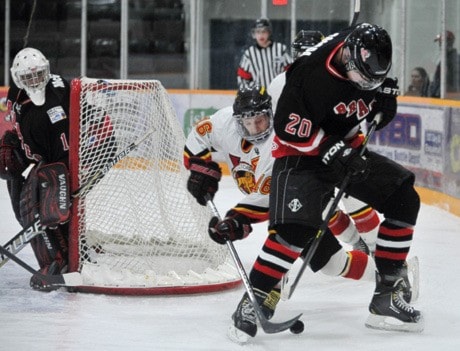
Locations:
column 368, row 53
column 253, row 114
column 31, row 71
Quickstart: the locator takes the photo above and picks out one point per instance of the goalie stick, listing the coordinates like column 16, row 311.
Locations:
column 55, row 281
column 21, row 239
column 323, row 228
column 267, row 326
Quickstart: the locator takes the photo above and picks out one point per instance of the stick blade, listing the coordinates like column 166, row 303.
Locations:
column 63, row 280
column 273, row 328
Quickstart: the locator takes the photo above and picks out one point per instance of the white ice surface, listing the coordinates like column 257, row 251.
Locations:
column 334, row 309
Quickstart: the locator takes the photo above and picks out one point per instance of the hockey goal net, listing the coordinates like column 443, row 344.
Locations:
column 137, row 230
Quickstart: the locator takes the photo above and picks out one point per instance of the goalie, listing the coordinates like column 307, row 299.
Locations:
column 38, row 105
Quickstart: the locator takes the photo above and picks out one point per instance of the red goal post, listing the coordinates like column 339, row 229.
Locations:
column 137, row 230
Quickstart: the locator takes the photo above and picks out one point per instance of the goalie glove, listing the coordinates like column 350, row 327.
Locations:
column 12, row 159
column 385, row 102
column 204, row 179
column 234, row 226
column 343, row 159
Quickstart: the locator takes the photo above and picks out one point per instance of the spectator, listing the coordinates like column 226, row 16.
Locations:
column 420, row 83
column 452, row 64
column 264, row 60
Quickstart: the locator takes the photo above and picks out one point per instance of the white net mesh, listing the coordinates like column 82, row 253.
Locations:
column 138, row 226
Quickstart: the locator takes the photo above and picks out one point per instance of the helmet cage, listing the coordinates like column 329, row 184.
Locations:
column 246, row 121
column 34, row 79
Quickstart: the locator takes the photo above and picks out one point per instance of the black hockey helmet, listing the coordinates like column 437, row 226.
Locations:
column 262, row 23
column 253, row 114
column 304, row 40
column 370, row 54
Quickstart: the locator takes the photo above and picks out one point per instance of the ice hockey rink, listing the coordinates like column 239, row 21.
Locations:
column 334, row 309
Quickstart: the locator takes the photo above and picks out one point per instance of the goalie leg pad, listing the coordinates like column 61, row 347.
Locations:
column 54, row 194
column 29, row 203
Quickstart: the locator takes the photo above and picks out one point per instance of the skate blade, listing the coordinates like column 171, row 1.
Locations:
column 285, row 287
column 392, row 324
column 238, row 336
column 413, row 272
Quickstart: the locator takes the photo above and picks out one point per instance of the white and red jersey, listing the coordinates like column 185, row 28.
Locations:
column 250, row 164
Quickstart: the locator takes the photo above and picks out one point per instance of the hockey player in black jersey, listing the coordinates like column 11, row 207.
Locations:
column 38, row 105
column 329, row 91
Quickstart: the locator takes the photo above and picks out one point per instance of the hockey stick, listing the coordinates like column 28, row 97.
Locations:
column 323, row 228
column 355, row 13
column 55, row 281
column 102, row 172
column 21, row 239
column 267, row 326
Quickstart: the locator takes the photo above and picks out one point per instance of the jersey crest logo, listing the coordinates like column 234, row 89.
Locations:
column 295, row 205
column 56, row 114
column 245, row 178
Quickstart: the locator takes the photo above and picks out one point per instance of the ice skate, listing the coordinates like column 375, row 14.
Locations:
column 244, row 325
column 389, row 310
column 269, row 305
column 59, row 266
column 405, row 284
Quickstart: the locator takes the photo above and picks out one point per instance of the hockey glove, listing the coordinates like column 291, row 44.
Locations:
column 12, row 159
column 234, row 226
column 204, row 179
column 343, row 159
column 385, row 102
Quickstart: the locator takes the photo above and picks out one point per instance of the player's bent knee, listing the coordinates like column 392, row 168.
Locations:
column 403, row 205
column 327, row 249
column 295, row 234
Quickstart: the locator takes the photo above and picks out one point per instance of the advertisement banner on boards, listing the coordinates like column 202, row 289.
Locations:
column 416, row 139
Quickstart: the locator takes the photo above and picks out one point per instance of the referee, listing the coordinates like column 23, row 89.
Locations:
column 264, row 60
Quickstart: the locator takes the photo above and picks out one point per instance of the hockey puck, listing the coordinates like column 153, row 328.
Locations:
column 297, row 328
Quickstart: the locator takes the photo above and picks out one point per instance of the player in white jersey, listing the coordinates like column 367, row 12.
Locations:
column 243, row 134
column 359, row 226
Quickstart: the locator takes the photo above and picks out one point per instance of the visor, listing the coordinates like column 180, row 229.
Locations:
column 360, row 80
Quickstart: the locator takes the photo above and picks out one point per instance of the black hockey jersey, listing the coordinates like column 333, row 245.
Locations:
column 43, row 130
column 318, row 101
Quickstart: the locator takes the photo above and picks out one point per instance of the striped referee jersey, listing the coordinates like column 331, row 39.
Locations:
column 259, row 66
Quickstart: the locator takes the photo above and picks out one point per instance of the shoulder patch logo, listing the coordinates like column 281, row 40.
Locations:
column 56, row 114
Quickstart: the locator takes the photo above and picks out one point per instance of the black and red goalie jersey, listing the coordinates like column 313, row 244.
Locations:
column 43, row 130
